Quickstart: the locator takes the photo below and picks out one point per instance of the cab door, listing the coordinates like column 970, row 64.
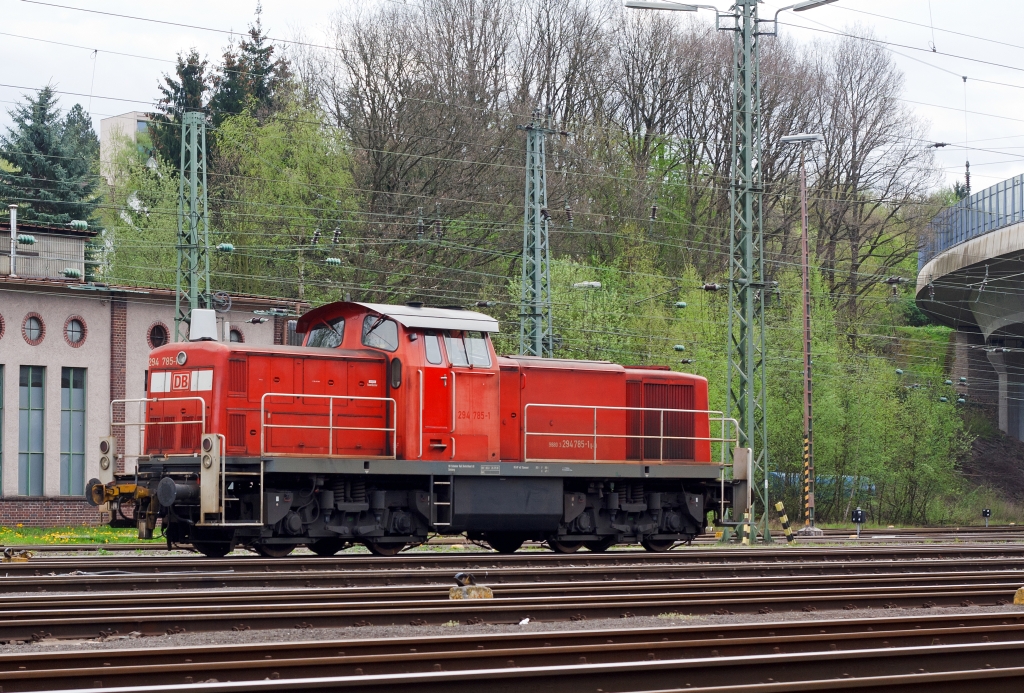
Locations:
column 436, row 401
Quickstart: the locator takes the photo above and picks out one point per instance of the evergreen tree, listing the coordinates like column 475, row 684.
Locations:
column 186, row 91
column 250, row 77
column 50, row 169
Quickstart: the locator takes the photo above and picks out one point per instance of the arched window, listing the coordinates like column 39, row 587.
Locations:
column 33, row 328
column 236, row 336
column 74, row 331
column 157, row 335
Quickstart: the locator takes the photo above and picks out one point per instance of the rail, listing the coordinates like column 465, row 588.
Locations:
column 594, row 435
column 143, row 424
column 330, row 427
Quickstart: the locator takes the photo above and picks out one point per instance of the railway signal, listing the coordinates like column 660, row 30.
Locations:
column 859, row 518
column 986, row 513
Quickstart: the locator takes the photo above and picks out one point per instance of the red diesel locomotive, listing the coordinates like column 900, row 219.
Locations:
column 392, row 422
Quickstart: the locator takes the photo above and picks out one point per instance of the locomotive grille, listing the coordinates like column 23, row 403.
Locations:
column 237, row 376
column 236, row 430
column 664, row 396
column 190, row 434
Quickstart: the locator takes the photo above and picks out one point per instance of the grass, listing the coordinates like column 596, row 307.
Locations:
column 56, row 536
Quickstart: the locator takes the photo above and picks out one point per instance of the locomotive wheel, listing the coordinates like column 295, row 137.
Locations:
column 601, row 545
column 657, row 545
column 564, row 546
column 273, row 550
column 504, row 542
column 326, row 547
column 384, row 549
column 212, row 549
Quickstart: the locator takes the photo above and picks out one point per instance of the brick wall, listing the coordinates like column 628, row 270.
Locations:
column 49, row 512
column 118, row 345
column 280, row 329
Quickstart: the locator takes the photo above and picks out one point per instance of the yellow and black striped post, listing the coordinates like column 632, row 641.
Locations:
column 808, row 485
column 785, row 522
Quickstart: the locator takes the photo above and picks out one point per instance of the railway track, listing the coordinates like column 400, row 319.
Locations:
column 32, row 618
column 840, row 652
column 182, row 573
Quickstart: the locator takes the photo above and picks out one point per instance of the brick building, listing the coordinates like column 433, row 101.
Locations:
column 67, row 348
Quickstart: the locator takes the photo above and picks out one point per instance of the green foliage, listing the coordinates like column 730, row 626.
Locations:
column 282, row 195
column 51, row 161
column 141, row 219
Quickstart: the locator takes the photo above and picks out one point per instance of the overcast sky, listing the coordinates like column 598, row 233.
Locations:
column 935, row 88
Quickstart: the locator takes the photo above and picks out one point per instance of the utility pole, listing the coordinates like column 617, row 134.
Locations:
column 808, row 470
column 745, row 374
column 535, row 331
column 745, row 350
column 192, row 288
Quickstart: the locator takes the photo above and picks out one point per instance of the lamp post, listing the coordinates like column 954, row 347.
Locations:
column 802, row 140
column 746, row 380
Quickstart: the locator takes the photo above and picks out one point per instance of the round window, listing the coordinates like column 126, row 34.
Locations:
column 74, row 331
column 33, row 329
column 157, row 336
column 236, row 336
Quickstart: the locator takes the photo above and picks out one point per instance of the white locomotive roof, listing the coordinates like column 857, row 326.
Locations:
column 435, row 318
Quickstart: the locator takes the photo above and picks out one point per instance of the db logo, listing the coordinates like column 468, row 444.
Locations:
column 180, row 381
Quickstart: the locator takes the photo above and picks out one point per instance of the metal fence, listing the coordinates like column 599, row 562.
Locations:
column 985, row 211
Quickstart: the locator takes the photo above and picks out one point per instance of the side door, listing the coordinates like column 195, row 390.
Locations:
column 436, row 401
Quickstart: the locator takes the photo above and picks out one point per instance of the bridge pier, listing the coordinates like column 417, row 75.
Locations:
column 1009, row 367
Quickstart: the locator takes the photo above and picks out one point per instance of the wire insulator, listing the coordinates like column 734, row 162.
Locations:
column 337, row 235
column 654, row 212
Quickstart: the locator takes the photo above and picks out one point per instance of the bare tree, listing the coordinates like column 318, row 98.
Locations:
column 873, row 171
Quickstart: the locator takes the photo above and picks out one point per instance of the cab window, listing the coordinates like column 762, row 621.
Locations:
column 432, row 346
column 327, row 333
column 476, row 348
column 380, row 333
column 456, row 349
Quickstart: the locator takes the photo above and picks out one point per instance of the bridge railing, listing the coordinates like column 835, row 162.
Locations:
column 983, row 212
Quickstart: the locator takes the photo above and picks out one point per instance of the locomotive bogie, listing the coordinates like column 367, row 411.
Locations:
column 394, row 422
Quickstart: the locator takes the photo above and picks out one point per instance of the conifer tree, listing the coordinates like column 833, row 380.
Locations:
column 49, row 161
column 186, row 91
column 250, row 77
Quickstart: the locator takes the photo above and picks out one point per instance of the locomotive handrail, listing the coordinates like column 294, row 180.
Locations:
column 330, row 427
column 144, row 423
column 713, row 416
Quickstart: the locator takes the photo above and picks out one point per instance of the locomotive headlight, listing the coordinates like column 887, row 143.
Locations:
column 207, row 444
column 104, row 463
column 207, row 461
column 180, row 358
column 104, row 447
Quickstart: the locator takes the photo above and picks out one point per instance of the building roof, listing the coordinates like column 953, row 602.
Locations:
column 29, row 227
column 77, row 285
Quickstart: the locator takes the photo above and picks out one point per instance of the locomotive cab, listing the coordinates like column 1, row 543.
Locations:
column 392, row 422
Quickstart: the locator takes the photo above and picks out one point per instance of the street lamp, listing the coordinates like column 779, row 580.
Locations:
column 803, row 140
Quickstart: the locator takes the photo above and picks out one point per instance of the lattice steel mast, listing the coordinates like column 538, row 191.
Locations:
column 192, row 287
column 746, row 348
column 535, row 332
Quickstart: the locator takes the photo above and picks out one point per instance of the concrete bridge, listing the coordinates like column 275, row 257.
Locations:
column 971, row 277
